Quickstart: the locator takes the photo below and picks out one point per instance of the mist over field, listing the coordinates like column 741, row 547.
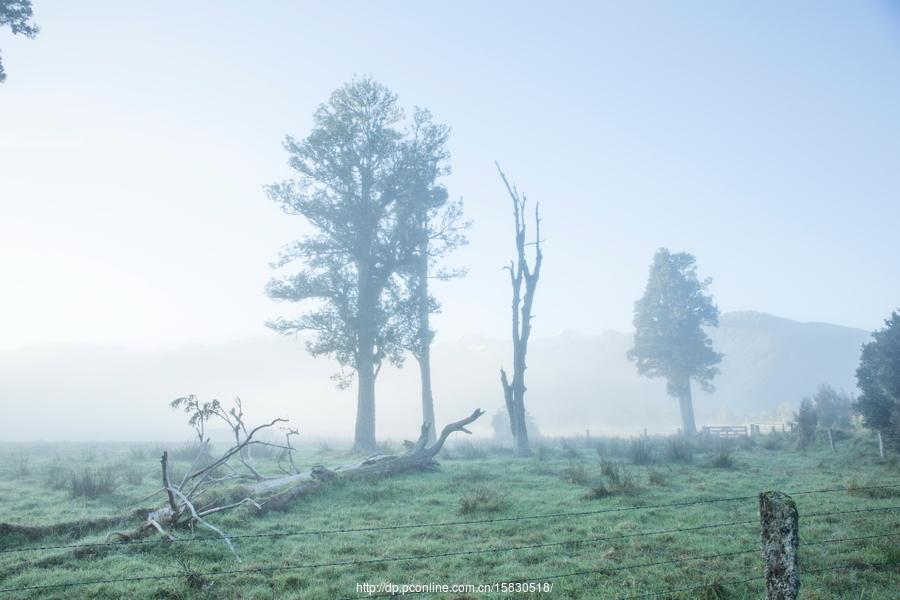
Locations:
column 468, row 300
column 584, row 383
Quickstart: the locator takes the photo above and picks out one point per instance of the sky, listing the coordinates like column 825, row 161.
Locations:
column 764, row 138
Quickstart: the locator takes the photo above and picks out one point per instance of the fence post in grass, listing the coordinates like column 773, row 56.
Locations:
column 830, row 439
column 780, row 543
column 880, row 445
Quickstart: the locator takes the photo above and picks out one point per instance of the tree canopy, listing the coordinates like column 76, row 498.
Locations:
column 365, row 182
column 832, row 407
column 669, row 340
column 878, row 377
column 16, row 14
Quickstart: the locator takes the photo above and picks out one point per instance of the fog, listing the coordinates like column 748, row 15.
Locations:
column 340, row 299
column 578, row 382
column 138, row 236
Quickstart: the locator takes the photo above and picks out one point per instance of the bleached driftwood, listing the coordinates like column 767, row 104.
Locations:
column 184, row 510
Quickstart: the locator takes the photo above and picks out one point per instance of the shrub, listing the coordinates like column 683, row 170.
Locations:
column 722, row 455
column 190, row 570
column 597, row 492
column 482, row 499
column 806, row 422
column 774, row 441
column 680, row 449
column 640, row 451
column 93, row 482
column 576, row 473
column 658, row 478
column 612, row 470
column 620, row 479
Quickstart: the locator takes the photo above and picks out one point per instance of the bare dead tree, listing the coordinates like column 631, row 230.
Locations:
column 520, row 273
column 288, row 451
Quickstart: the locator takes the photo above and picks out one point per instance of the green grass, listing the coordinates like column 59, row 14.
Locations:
column 476, row 482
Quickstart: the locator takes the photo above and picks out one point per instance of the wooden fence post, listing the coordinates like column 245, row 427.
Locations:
column 830, row 440
column 880, row 445
column 780, row 543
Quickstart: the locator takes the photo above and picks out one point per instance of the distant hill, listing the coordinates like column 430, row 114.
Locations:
column 575, row 382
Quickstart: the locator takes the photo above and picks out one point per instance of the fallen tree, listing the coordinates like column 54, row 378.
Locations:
column 187, row 507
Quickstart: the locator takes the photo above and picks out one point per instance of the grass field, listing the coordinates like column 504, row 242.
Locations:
column 476, row 482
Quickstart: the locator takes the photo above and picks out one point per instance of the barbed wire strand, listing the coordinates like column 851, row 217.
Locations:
column 442, row 523
column 259, row 569
column 751, row 579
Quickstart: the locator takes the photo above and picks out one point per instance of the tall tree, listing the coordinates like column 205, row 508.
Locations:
column 435, row 229
column 353, row 176
column 669, row 340
column 878, row 377
column 16, row 14
column 520, row 274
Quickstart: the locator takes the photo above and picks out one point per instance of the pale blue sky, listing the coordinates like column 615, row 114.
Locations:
column 764, row 137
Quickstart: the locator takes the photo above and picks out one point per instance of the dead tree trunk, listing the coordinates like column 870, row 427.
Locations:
column 520, row 273
column 184, row 508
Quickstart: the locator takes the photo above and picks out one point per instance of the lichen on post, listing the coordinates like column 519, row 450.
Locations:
column 780, row 544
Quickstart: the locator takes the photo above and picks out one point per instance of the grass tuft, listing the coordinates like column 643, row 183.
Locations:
column 482, row 499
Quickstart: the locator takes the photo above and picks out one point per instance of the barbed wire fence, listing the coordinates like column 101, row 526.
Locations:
column 780, row 570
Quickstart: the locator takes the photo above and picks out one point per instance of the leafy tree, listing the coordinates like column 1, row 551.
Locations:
column 806, row 422
column 832, row 407
column 435, row 229
column 17, row 15
column 878, row 377
column 353, row 187
column 669, row 340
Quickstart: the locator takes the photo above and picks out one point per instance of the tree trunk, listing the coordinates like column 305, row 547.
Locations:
column 424, row 335
column 365, row 407
column 519, row 274
column 687, row 408
column 365, row 370
column 427, row 398
column 520, row 434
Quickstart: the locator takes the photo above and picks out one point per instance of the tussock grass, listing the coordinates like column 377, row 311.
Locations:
column 496, row 485
column 482, row 499
column 93, row 482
